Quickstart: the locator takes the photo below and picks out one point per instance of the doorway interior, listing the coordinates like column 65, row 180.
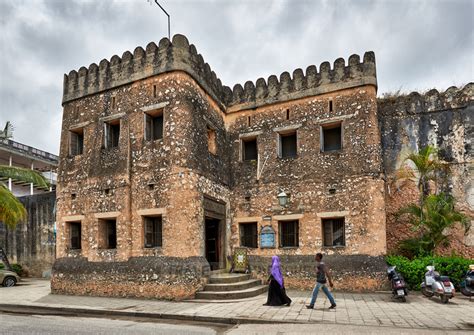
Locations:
column 213, row 242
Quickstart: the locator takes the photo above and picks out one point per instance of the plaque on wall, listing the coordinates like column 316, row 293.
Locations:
column 267, row 237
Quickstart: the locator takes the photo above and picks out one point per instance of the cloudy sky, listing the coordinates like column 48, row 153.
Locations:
column 418, row 44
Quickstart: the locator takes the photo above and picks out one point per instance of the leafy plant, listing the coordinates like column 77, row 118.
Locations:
column 12, row 210
column 15, row 268
column 413, row 271
column 432, row 220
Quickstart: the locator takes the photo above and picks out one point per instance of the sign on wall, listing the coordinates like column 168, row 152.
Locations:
column 267, row 237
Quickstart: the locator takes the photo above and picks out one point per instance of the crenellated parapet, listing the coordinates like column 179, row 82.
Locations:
column 304, row 84
column 431, row 101
column 175, row 55
column 179, row 55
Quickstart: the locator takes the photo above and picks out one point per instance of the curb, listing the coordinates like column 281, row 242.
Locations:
column 84, row 312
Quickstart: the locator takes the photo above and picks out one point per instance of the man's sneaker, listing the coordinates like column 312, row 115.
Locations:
column 332, row 306
column 309, row 306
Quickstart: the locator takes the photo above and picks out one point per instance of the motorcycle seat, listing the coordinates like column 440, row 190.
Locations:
column 441, row 278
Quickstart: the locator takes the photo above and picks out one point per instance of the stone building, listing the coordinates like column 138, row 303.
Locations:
column 164, row 171
column 31, row 243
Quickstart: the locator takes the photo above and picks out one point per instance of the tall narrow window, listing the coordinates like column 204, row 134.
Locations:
column 249, row 149
column 287, row 114
column 76, row 142
column 334, row 232
column 113, row 102
column 75, row 235
column 153, row 231
column 289, row 233
column 330, row 105
column 248, row 234
column 111, row 134
column 154, row 125
column 331, row 137
column 108, row 234
column 154, row 91
column 287, row 145
column 211, row 140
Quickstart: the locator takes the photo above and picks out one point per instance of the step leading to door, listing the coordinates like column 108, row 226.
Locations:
column 226, row 278
column 238, row 286
column 226, row 295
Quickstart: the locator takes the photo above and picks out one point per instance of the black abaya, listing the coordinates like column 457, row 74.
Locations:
column 277, row 294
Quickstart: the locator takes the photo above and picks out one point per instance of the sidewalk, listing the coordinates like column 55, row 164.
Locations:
column 375, row 309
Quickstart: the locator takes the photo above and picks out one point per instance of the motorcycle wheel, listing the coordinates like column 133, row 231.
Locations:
column 444, row 299
column 466, row 292
column 403, row 299
column 426, row 293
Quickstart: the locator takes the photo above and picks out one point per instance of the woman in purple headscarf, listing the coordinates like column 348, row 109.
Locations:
column 276, row 288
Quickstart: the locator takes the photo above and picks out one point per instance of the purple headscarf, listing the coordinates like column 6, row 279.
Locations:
column 276, row 270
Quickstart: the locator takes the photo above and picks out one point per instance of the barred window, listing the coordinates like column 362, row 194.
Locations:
column 334, row 232
column 289, row 233
column 153, row 231
column 248, row 235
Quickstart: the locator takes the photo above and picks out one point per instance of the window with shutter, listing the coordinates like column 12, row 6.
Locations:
column 75, row 235
column 76, row 142
column 153, row 122
column 289, row 233
column 334, row 232
column 153, row 231
column 287, row 145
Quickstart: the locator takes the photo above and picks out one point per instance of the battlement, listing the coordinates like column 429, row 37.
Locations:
column 431, row 101
column 168, row 56
column 179, row 55
column 340, row 76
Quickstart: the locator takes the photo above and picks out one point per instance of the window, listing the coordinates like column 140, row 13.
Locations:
column 76, row 142
column 74, row 235
column 111, row 134
column 211, row 140
column 330, row 106
column 331, row 137
column 289, row 233
column 287, row 145
column 249, row 149
column 333, row 230
column 153, row 231
column 108, row 234
column 154, row 125
column 248, row 234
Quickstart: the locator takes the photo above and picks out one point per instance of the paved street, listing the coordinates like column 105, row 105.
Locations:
column 353, row 309
column 52, row 325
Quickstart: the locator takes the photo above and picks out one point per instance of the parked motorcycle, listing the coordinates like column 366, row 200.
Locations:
column 436, row 285
column 467, row 285
column 398, row 285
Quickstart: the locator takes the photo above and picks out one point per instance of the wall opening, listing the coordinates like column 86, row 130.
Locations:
column 76, row 142
column 287, row 145
column 107, row 234
column 248, row 234
column 74, row 235
column 289, row 233
column 111, row 134
column 153, row 233
column 211, row 140
column 330, row 106
column 249, row 149
column 154, row 123
column 331, row 137
column 334, row 232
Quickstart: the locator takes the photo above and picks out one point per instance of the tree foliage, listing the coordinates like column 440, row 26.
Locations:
column 12, row 210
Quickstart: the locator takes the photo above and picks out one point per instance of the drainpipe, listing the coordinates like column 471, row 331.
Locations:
column 9, row 179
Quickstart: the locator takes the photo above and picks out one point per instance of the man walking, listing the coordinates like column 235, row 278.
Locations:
column 322, row 276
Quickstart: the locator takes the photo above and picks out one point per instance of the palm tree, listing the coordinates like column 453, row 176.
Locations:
column 435, row 216
column 12, row 210
column 426, row 166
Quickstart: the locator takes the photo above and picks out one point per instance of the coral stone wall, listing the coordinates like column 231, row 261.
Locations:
column 445, row 121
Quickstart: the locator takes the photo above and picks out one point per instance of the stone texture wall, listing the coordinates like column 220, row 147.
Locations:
column 32, row 243
column 444, row 120
column 146, row 277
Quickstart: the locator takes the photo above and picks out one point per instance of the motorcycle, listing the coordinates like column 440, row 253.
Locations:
column 467, row 285
column 398, row 285
column 436, row 285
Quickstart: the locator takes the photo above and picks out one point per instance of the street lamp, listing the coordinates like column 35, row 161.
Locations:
column 282, row 198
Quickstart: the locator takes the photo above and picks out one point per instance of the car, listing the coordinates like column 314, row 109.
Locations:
column 8, row 278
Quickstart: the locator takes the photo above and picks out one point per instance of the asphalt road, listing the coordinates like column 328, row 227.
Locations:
column 14, row 324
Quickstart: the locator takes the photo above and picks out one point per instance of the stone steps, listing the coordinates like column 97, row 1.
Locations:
column 231, row 286
column 238, row 286
column 226, row 295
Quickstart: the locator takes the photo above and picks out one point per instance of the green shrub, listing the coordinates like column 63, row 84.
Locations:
column 15, row 267
column 414, row 270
